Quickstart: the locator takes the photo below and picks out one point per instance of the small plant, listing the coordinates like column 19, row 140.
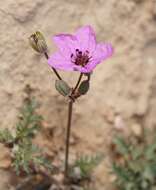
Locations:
column 25, row 155
column 134, row 163
column 6, row 137
column 84, row 166
column 29, row 121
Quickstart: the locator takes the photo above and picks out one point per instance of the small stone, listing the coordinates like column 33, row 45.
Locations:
column 72, row 141
column 5, row 159
column 6, row 163
column 109, row 115
column 54, row 187
column 59, row 178
column 119, row 123
column 112, row 178
column 77, row 173
column 75, row 187
column 136, row 129
column 15, row 148
column 72, row 158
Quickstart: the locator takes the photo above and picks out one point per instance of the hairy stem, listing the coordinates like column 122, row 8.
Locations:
column 54, row 70
column 70, row 107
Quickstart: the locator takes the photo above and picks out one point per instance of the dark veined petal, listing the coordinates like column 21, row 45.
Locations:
column 66, row 43
column 102, row 52
column 86, row 38
column 59, row 62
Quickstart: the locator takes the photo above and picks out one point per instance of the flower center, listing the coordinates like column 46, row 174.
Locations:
column 80, row 58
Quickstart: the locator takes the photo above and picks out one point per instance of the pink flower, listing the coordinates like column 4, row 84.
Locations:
column 79, row 52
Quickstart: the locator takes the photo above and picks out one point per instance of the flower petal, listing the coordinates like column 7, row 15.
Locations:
column 59, row 62
column 86, row 38
column 89, row 67
column 102, row 52
column 66, row 43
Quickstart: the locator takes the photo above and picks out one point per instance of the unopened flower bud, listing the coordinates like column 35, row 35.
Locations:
column 84, row 87
column 62, row 87
column 37, row 42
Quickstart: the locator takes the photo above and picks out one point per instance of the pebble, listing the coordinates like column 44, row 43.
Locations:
column 136, row 129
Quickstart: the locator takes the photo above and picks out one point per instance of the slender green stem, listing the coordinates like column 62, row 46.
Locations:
column 78, row 82
column 54, row 70
column 70, row 107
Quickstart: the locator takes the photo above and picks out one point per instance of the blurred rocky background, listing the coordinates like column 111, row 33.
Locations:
column 123, row 89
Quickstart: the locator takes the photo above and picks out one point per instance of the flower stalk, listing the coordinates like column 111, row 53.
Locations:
column 54, row 70
column 68, row 132
column 78, row 82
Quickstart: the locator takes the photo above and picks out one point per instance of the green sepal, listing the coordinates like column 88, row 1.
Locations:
column 62, row 87
column 84, row 87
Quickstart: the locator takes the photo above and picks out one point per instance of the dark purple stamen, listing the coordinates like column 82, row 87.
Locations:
column 80, row 58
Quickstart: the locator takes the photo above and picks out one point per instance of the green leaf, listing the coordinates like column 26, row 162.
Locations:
column 6, row 136
column 84, row 87
column 87, row 164
column 30, row 121
column 130, row 186
column 122, row 147
column 62, row 87
column 135, row 166
column 151, row 151
column 137, row 152
column 121, row 172
column 137, row 169
column 150, row 172
column 25, row 154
